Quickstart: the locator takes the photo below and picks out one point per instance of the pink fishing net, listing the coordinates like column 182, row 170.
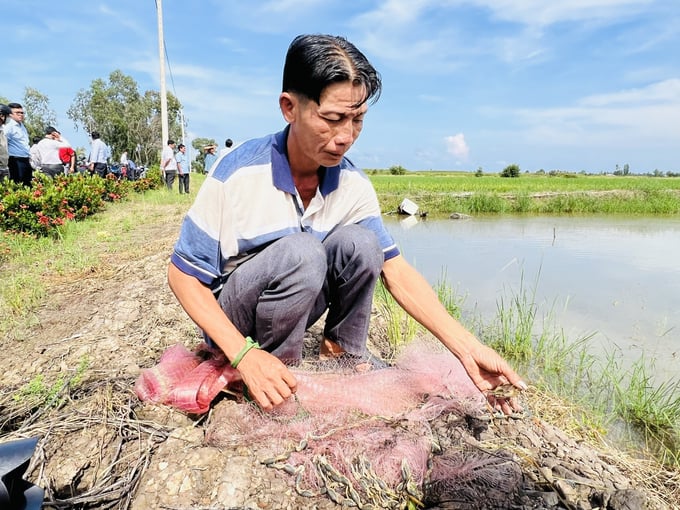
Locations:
column 359, row 428
column 187, row 380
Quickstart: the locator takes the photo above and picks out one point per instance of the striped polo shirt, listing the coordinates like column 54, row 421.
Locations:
column 249, row 200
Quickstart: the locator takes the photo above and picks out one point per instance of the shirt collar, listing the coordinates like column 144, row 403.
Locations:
column 281, row 174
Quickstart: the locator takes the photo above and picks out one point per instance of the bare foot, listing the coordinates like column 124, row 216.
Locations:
column 330, row 350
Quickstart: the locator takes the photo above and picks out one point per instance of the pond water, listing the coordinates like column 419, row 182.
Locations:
column 617, row 279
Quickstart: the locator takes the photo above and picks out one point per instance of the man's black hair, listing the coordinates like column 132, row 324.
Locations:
column 315, row 61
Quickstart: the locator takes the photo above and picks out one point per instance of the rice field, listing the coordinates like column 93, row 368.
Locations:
column 443, row 193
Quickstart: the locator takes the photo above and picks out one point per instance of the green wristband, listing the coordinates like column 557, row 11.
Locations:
column 250, row 344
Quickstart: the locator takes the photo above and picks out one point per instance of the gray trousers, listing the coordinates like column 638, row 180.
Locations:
column 276, row 295
column 52, row 170
column 170, row 176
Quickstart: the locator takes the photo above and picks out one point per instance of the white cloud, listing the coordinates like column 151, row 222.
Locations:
column 628, row 118
column 542, row 13
column 663, row 92
column 413, row 32
column 457, row 146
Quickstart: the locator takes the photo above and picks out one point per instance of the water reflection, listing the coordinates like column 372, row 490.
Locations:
column 615, row 277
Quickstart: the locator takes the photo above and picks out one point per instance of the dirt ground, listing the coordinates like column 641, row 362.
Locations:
column 68, row 379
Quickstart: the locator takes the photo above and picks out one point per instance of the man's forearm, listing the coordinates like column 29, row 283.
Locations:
column 416, row 296
column 200, row 304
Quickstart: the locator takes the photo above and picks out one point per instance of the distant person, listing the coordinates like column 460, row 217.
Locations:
column 49, row 153
column 19, row 163
column 210, row 157
column 182, row 168
column 97, row 162
column 124, row 164
column 4, row 155
column 34, row 158
column 132, row 170
column 68, row 157
column 169, row 164
column 228, row 147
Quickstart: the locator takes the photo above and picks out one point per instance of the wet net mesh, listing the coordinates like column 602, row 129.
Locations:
column 367, row 439
column 360, row 439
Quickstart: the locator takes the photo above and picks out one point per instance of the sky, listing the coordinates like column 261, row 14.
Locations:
column 571, row 85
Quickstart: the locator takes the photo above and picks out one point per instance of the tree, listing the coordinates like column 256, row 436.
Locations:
column 126, row 119
column 511, row 171
column 39, row 115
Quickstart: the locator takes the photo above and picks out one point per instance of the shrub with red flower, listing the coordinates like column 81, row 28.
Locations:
column 50, row 203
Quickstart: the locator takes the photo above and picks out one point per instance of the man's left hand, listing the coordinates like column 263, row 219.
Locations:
column 488, row 370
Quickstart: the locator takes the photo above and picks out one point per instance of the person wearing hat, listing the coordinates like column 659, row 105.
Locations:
column 20, row 169
column 48, row 153
column 210, row 157
column 4, row 155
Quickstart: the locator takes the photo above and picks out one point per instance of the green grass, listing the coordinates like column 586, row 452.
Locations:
column 442, row 193
column 40, row 395
column 29, row 265
column 610, row 396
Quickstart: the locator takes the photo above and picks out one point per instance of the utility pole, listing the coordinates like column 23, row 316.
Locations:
column 164, row 96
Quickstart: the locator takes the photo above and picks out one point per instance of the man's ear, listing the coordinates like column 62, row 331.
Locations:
column 288, row 104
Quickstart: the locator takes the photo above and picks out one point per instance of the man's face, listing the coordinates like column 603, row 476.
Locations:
column 17, row 114
column 320, row 135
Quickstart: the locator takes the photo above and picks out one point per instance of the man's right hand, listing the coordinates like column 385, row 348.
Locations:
column 268, row 380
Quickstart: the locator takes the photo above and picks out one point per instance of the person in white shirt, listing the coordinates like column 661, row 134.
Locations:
column 169, row 164
column 47, row 153
column 4, row 153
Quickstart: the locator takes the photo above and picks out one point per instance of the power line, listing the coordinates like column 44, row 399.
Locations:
column 167, row 58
